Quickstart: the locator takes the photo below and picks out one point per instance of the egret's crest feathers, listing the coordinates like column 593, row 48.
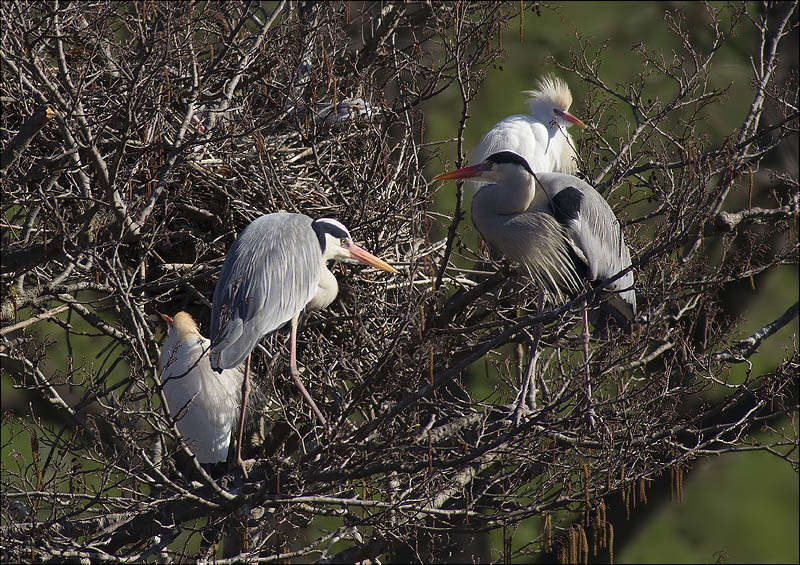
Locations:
column 551, row 88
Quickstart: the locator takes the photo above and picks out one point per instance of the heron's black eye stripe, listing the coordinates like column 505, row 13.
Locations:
column 321, row 228
column 509, row 157
column 335, row 231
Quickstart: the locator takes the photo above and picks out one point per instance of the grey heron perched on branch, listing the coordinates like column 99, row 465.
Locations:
column 276, row 269
column 560, row 229
column 541, row 136
column 202, row 401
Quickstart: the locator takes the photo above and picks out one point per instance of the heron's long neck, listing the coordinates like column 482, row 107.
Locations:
column 513, row 196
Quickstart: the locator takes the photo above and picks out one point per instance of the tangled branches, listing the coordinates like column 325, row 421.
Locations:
column 140, row 138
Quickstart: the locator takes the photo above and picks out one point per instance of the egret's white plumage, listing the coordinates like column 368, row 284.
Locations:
column 540, row 136
column 203, row 402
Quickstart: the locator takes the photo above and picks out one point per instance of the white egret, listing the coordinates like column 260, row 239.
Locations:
column 541, row 136
column 203, row 402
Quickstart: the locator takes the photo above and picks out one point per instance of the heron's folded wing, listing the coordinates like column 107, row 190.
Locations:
column 270, row 273
column 594, row 228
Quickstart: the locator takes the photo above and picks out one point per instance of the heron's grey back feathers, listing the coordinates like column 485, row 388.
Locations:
column 560, row 231
column 270, row 273
column 594, row 231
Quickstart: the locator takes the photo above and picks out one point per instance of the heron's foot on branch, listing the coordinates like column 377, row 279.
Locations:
column 245, row 465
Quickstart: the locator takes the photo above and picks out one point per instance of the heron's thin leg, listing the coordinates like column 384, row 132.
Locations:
column 242, row 408
column 589, row 409
column 535, row 354
column 296, row 373
column 526, row 397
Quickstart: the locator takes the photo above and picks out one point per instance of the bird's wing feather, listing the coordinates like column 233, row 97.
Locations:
column 269, row 275
column 594, row 230
column 533, row 238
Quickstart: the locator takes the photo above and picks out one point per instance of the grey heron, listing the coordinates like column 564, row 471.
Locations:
column 541, row 136
column 559, row 228
column 276, row 269
column 202, row 401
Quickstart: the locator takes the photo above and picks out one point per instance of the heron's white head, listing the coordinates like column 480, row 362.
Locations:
column 504, row 167
column 337, row 245
column 550, row 102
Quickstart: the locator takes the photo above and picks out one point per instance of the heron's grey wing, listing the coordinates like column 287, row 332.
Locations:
column 270, row 273
column 595, row 231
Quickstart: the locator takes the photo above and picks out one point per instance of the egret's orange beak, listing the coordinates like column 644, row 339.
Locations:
column 166, row 318
column 368, row 258
column 465, row 173
column 569, row 117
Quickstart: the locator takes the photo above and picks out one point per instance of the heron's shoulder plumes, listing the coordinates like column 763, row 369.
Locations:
column 184, row 325
column 554, row 89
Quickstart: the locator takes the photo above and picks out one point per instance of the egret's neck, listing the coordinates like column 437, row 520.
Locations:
column 542, row 111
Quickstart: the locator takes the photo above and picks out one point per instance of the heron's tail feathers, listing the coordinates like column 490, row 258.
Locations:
column 610, row 312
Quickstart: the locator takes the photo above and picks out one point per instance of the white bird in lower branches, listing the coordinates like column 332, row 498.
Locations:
column 541, row 136
column 203, row 403
column 562, row 231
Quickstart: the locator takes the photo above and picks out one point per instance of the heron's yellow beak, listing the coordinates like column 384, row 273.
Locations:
column 570, row 118
column 465, row 173
column 368, row 258
column 166, row 318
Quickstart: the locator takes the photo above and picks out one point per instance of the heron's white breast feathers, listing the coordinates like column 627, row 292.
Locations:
column 535, row 240
column 541, row 245
column 327, row 289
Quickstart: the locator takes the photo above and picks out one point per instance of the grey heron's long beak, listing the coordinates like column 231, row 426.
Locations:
column 368, row 258
column 569, row 117
column 166, row 318
column 465, row 173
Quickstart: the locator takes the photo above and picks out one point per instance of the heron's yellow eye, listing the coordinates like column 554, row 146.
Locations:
column 343, row 242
